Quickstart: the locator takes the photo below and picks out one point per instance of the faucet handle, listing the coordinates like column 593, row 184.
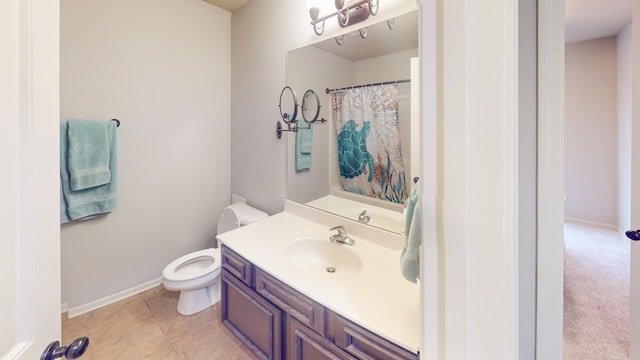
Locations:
column 363, row 217
column 340, row 228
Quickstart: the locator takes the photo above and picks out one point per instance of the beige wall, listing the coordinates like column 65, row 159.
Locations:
column 261, row 34
column 162, row 68
column 590, row 137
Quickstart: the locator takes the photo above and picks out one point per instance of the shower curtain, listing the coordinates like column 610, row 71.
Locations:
column 369, row 151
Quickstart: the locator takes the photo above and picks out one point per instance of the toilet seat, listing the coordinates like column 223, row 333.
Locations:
column 193, row 266
column 197, row 275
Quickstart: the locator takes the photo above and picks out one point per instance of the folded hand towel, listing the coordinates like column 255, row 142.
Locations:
column 91, row 202
column 410, row 257
column 88, row 153
column 304, row 144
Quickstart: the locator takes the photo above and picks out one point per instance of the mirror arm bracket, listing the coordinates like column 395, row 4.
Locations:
column 280, row 129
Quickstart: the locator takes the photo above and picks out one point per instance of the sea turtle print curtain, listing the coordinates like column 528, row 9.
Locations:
column 369, row 151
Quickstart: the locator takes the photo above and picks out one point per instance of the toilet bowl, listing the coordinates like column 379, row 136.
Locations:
column 197, row 275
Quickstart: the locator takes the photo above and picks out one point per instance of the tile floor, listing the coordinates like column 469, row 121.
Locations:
column 148, row 326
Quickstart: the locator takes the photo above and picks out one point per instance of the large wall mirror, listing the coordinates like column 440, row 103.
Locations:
column 374, row 65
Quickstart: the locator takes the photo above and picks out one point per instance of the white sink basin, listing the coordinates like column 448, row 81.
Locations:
column 320, row 256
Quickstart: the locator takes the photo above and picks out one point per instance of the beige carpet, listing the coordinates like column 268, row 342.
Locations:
column 596, row 293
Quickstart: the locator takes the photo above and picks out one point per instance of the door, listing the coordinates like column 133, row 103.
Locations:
column 29, row 175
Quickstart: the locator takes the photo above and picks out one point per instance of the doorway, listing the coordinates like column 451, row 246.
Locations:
column 597, row 185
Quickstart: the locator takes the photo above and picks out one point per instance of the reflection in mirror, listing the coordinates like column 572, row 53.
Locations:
column 310, row 106
column 385, row 55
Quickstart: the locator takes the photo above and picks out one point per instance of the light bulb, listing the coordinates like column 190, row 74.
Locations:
column 324, row 7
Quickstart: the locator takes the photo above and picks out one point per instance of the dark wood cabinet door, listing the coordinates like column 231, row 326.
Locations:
column 253, row 320
column 305, row 344
column 237, row 266
column 291, row 301
column 366, row 345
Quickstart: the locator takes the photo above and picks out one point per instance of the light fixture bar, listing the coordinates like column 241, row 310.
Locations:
column 347, row 12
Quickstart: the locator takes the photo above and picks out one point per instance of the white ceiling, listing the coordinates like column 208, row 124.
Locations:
column 592, row 19
column 585, row 19
column 230, row 5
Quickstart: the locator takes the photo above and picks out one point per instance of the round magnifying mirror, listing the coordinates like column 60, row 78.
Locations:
column 310, row 106
column 288, row 105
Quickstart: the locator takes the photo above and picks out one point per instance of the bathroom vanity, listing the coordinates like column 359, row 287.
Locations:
column 289, row 293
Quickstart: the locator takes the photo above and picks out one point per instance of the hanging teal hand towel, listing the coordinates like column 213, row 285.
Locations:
column 91, row 202
column 304, row 145
column 89, row 153
column 410, row 257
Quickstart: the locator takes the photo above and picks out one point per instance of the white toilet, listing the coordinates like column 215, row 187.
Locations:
column 197, row 275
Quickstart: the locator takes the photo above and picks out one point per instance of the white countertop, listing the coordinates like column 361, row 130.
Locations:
column 377, row 297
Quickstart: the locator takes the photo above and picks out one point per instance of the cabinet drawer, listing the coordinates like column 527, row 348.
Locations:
column 237, row 266
column 307, row 311
column 366, row 345
column 253, row 320
column 305, row 344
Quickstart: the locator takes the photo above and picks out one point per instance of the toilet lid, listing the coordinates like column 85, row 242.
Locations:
column 193, row 265
column 227, row 221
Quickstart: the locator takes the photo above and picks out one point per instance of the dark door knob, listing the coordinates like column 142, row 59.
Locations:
column 73, row 351
column 633, row 235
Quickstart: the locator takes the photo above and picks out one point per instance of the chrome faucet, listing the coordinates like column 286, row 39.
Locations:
column 363, row 217
column 341, row 237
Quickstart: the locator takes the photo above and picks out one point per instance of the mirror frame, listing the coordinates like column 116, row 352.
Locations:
column 285, row 116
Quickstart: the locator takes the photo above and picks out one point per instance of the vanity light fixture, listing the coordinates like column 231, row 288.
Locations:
column 391, row 24
column 362, row 33
column 348, row 12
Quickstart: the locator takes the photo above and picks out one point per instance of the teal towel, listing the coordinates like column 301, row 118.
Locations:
column 88, row 153
column 304, row 144
column 91, row 202
column 410, row 257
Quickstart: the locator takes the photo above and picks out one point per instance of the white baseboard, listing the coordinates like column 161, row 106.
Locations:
column 65, row 308
column 592, row 223
column 79, row 310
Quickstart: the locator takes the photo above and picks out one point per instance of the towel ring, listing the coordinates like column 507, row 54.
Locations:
column 117, row 122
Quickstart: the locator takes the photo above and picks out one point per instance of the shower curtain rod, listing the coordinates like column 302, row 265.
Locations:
column 363, row 85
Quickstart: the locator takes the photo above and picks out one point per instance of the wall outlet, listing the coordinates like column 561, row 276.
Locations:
column 237, row 198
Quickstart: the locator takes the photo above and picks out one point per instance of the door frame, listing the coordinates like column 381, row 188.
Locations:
column 550, row 166
column 451, row 325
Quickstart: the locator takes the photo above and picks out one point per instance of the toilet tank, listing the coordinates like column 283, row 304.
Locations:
column 238, row 214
